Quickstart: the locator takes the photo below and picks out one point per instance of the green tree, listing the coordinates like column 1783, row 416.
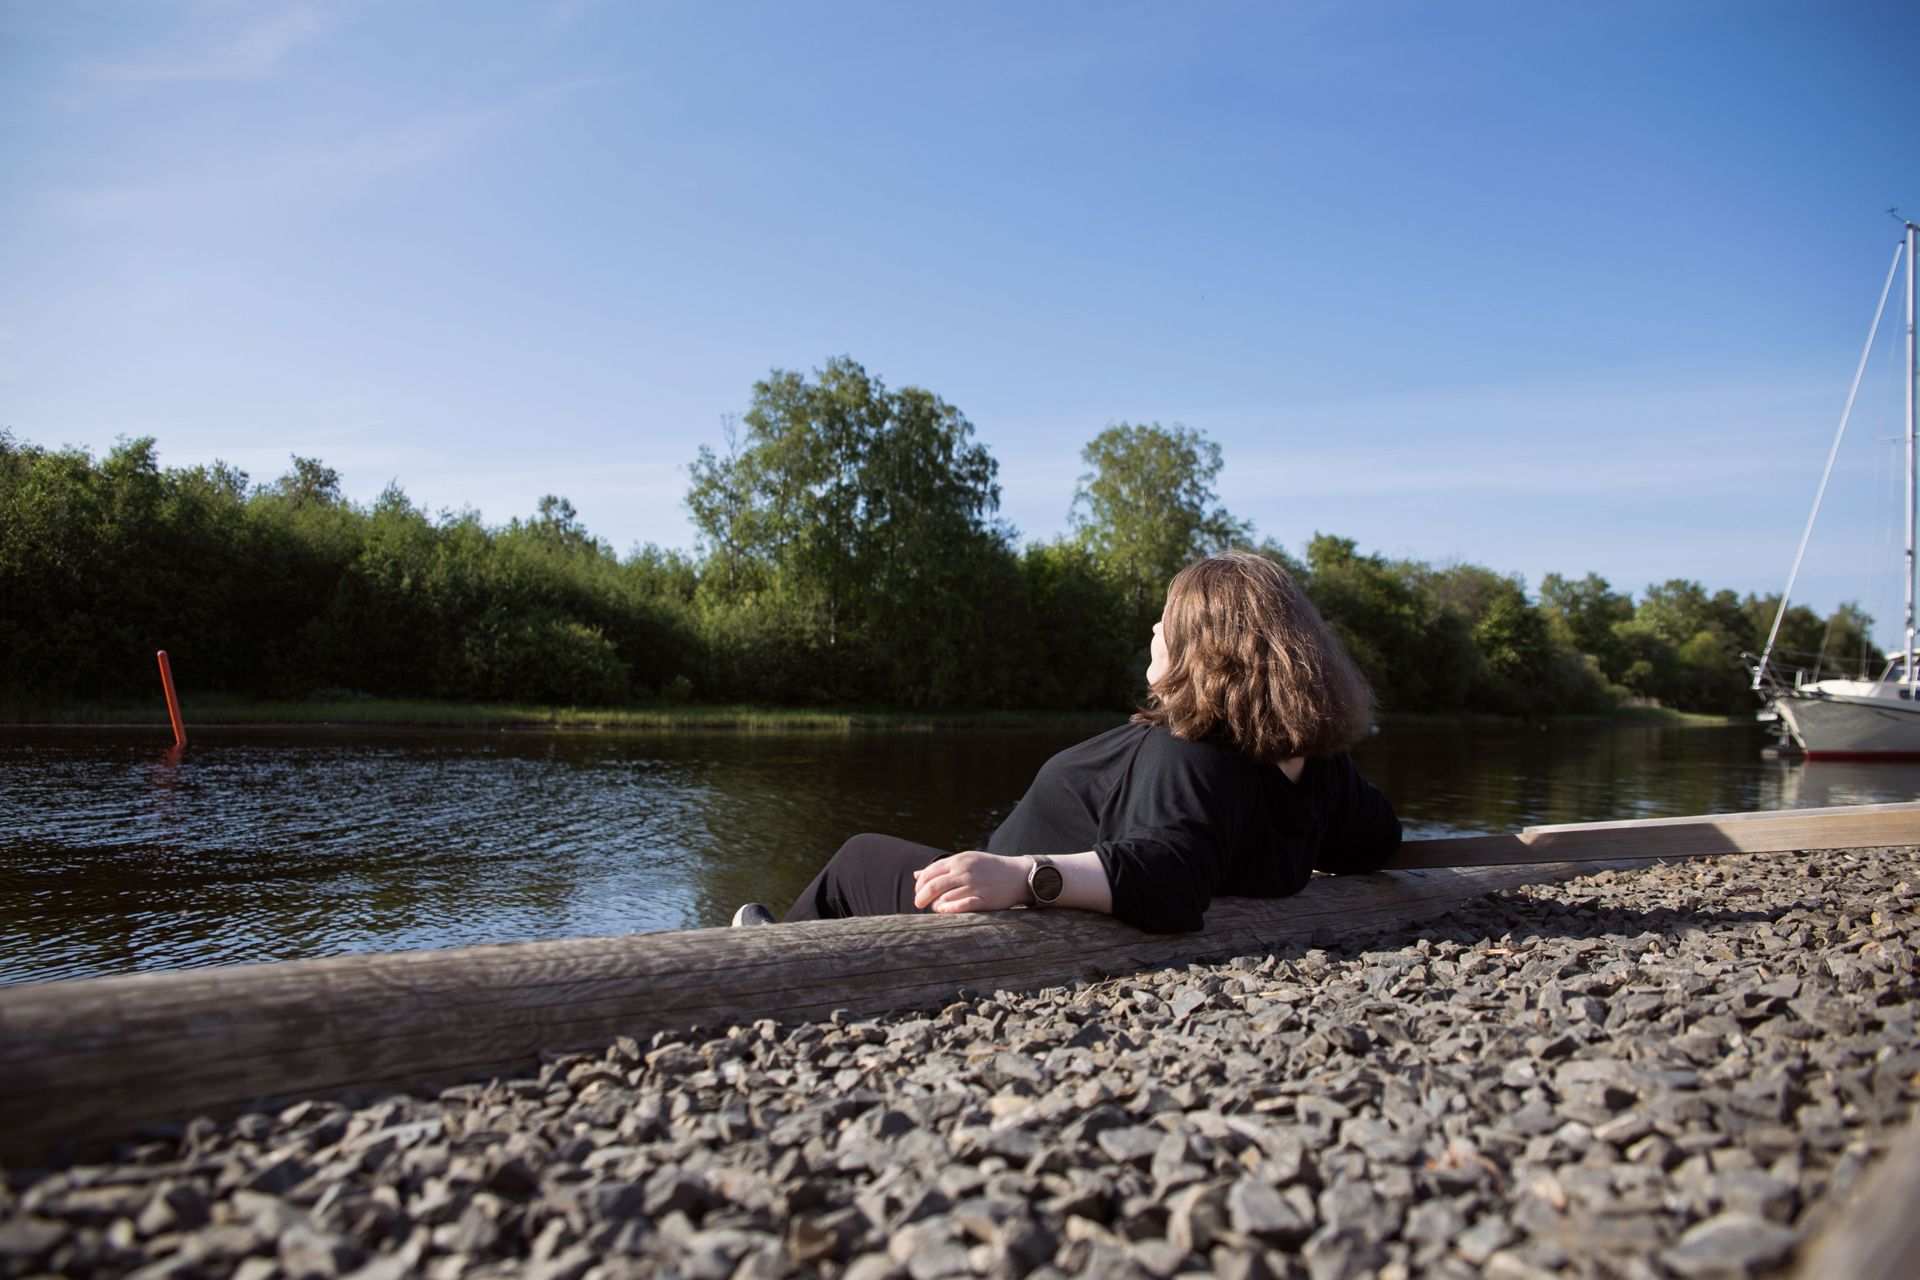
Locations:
column 1685, row 648
column 1146, row 507
column 1419, row 656
column 1839, row 644
column 1079, row 646
column 726, row 517
column 854, row 527
column 1582, row 615
column 310, row 481
column 1513, row 651
column 1849, row 639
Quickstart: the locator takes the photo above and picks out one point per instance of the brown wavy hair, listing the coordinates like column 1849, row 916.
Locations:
column 1251, row 661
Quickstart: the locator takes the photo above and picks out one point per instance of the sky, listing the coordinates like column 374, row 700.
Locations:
column 1547, row 288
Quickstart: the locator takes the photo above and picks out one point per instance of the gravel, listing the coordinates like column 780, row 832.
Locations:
column 1668, row 1072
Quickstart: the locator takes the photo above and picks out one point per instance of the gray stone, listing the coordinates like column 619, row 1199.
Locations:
column 1232, row 1263
column 1754, row 1192
column 1434, row 1222
column 1135, row 1144
column 872, row 1266
column 672, row 1190
column 1729, row 1244
column 24, row 1239
column 393, row 1266
column 1257, row 1209
column 1356, row 1206
column 1509, row 1265
column 1482, row 1240
column 1339, row 1253
column 1196, row 1215
column 304, row 1249
column 1159, row 1258
column 1175, row 1164
column 1378, row 1141
column 1624, row 1129
column 1186, row 1000
column 947, row 1258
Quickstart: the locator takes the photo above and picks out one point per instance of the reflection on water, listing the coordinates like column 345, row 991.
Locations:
column 119, row 854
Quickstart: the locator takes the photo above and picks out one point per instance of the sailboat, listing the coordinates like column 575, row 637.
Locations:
column 1859, row 719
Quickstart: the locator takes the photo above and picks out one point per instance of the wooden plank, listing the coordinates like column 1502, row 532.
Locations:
column 93, row 1059
column 1875, row 1235
column 1777, row 831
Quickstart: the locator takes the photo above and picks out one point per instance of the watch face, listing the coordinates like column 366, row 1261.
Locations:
column 1047, row 882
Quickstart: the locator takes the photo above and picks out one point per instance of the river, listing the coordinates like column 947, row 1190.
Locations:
column 118, row 855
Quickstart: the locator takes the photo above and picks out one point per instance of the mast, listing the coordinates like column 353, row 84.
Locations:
column 1913, row 512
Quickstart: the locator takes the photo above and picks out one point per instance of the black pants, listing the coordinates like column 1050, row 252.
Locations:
column 870, row 876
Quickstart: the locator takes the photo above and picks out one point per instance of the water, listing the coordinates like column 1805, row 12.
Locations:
column 118, row 855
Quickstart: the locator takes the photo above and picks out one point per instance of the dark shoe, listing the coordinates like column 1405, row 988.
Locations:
column 752, row 913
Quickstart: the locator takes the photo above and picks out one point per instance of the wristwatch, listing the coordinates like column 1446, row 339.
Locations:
column 1045, row 882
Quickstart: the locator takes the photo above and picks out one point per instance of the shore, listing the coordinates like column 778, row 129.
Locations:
column 1673, row 1071
column 222, row 711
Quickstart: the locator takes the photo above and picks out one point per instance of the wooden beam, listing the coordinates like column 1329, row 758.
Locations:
column 1777, row 831
column 90, row 1060
column 1875, row 1234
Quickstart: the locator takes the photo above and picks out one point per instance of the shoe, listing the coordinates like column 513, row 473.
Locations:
column 752, row 913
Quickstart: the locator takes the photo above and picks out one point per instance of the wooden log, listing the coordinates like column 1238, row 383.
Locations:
column 93, row 1059
column 1875, row 1235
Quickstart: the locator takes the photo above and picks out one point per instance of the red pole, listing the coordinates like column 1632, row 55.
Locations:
column 173, row 701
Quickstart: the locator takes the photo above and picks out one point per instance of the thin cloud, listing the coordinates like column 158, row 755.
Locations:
column 564, row 13
column 1468, row 467
column 339, row 170
column 254, row 52
column 1620, row 436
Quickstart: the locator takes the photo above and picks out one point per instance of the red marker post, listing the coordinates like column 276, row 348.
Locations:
column 173, row 701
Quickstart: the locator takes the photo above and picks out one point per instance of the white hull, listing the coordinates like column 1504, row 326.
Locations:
column 1842, row 726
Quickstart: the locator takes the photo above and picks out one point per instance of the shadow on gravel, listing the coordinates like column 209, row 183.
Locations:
column 1524, row 918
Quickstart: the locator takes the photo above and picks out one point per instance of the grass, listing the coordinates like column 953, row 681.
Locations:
column 219, row 709
column 1630, row 713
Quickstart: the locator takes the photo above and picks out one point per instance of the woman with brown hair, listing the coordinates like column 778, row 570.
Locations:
column 1234, row 779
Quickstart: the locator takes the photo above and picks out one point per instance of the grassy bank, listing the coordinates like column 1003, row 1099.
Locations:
column 216, row 710
column 1633, row 714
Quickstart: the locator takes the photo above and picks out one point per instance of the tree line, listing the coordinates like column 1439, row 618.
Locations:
column 848, row 551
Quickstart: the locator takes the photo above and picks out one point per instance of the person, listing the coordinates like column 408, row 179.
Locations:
column 1233, row 779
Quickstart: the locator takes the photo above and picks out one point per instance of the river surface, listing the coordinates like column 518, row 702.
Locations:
column 119, row 855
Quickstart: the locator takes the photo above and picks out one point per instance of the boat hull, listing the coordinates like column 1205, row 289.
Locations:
column 1841, row 727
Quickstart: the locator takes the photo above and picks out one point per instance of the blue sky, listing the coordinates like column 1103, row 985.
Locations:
column 1542, row 287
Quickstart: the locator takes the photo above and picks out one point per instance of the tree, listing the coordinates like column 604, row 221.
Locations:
column 857, row 521
column 1685, row 648
column 1848, row 640
column 1512, row 647
column 721, row 501
column 1146, row 508
column 1839, row 644
column 1079, row 648
column 1418, row 656
column 310, row 481
column 1583, row 615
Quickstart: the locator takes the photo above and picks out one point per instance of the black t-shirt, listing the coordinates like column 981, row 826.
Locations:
column 1177, row 822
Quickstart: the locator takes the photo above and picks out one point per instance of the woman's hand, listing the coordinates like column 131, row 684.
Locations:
column 976, row 881
column 971, row 881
